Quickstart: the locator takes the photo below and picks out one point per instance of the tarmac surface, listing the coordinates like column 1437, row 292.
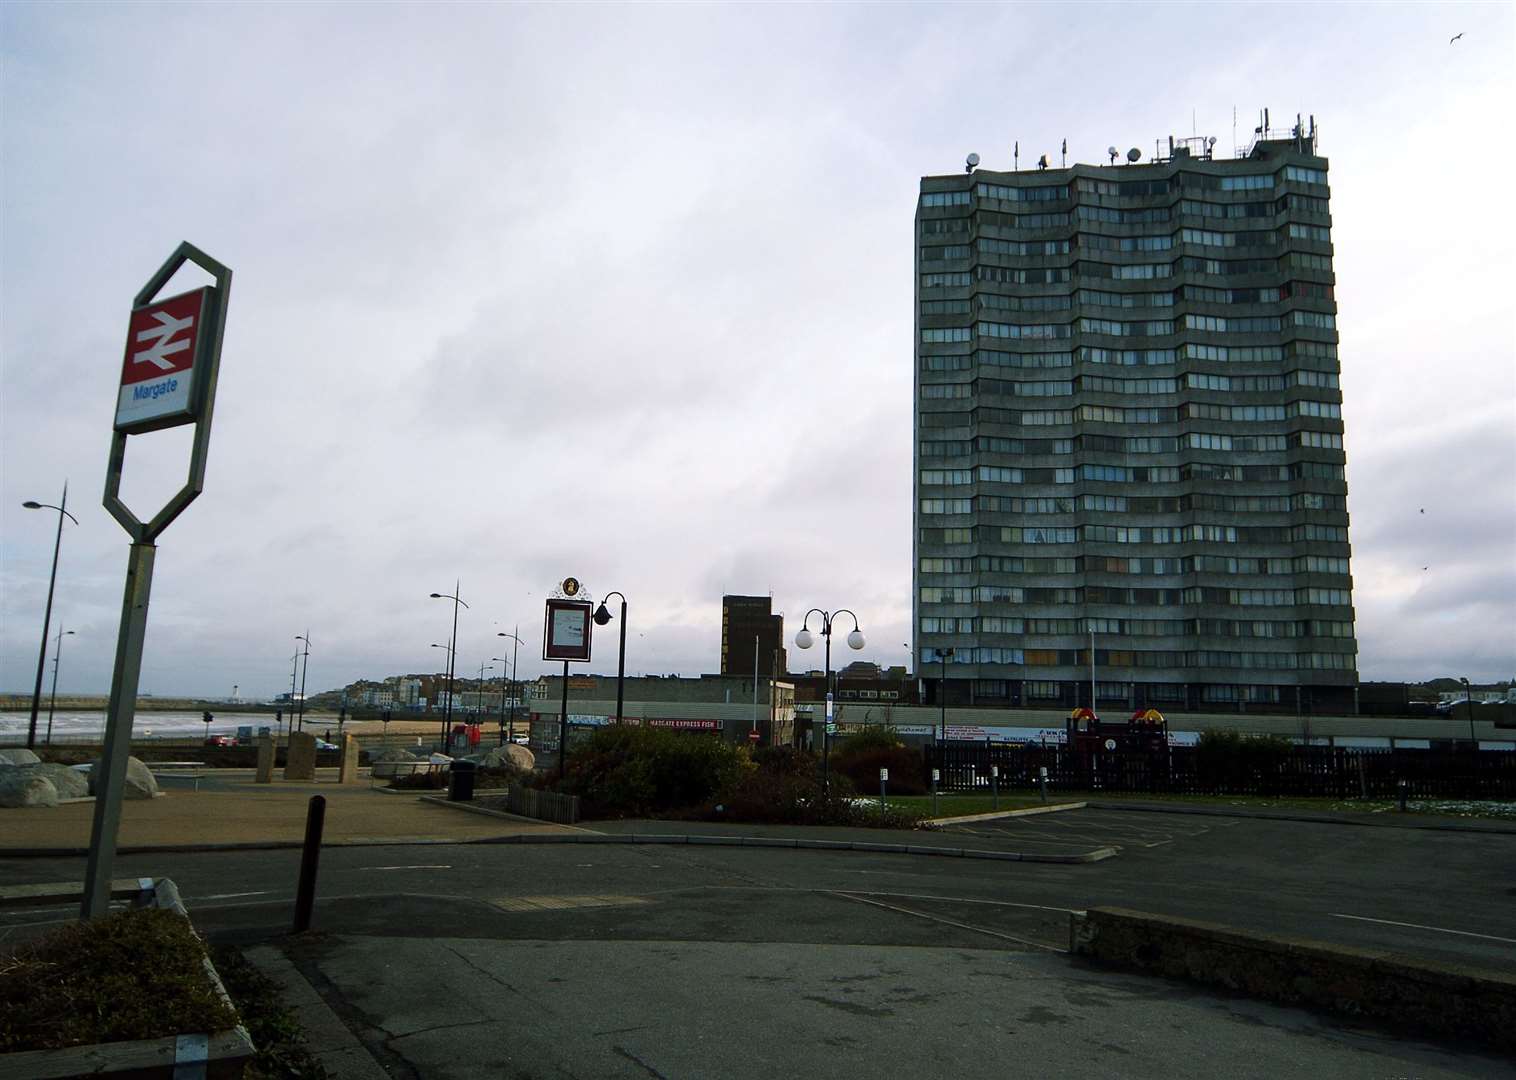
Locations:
column 500, row 958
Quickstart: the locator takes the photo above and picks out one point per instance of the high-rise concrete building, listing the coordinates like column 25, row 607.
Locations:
column 1128, row 422
column 749, row 628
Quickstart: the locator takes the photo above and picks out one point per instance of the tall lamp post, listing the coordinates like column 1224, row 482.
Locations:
column 304, row 671
column 53, row 700
column 447, row 712
column 805, row 639
column 515, row 651
column 47, row 615
column 504, row 686
column 944, row 655
column 294, row 671
column 446, row 668
column 1468, row 705
column 603, row 616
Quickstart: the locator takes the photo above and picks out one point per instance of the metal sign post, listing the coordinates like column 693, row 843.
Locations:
column 168, row 377
column 567, row 626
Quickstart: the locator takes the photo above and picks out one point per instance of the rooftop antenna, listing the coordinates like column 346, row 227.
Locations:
column 1113, row 152
column 1210, row 148
column 1064, row 162
column 1017, row 156
column 1042, row 162
column 970, row 163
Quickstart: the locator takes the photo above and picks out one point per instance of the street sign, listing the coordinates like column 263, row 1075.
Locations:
column 159, row 375
column 566, row 634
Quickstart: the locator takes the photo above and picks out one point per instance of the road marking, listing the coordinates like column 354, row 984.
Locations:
column 939, row 919
column 1419, row 926
column 418, row 866
column 227, row 895
column 559, row 903
column 965, row 900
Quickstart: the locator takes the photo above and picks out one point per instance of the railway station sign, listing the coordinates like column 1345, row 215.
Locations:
column 162, row 380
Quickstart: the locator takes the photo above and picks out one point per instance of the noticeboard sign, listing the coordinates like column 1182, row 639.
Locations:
column 566, row 630
column 161, row 374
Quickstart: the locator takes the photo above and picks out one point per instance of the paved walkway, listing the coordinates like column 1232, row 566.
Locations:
column 241, row 812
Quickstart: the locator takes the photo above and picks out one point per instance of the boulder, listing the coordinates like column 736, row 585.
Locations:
column 69, row 783
column 18, row 755
column 510, row 756
column 140, row 784
column 23, row 787
column 391, row 762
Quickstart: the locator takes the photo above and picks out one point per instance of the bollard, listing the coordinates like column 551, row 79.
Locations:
column 1042, row 780
column 936, row 775
column 1402, row 788
column 884, row 777
column 310, row 856
column 995, row 784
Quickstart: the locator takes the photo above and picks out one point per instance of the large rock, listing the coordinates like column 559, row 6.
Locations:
column 69, row 783
column 509, row 756
column 140, row 784
column 23, row 787
column 18, row 755
column 391, row 762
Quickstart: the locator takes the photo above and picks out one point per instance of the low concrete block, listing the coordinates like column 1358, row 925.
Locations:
column 265, row 774
column 300, row 759
column 1440, row 999
column 347, row 766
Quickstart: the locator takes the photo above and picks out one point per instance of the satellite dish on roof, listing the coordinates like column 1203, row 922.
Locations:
column 1211, row 141
column 1134, row 155
column 1113, row 152
column 970, row 162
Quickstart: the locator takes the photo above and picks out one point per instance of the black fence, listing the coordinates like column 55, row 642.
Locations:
column 1333, row 772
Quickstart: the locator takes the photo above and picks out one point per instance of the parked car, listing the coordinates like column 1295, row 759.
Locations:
column 322, row 744
column 221, row 740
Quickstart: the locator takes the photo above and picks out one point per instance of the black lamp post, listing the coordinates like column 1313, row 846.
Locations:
column 452, row 658
column 47, row 615
column 943, row 655
column 805, row 639
column 1468, row 705
column 53, row 700
column 304, row 670
column 515, row 651
column 603, row 616
column 446, row 671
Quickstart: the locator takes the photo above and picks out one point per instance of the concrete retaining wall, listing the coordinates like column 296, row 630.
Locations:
column 1440, row 999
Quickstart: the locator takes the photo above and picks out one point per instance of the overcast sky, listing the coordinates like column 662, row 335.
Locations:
column 625, row 293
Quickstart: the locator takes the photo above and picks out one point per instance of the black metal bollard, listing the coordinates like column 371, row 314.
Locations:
column 995, row 784
column 884, row 778
column 310, row 857
column 1402, row 785
column 936, row 775
column 1042, row 781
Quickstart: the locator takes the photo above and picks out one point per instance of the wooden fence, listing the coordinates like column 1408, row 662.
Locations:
column 1333, row 772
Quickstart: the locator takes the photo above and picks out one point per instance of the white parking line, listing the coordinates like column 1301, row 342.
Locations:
column 419, row 866
column 1419, row 926
column 226, row 895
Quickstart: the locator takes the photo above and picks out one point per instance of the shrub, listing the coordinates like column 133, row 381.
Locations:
column 634, row 771
column 907, row 768
column 1230, row 759
column 870, row 737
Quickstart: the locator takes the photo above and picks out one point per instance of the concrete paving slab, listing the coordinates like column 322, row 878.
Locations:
column 327, row 1037
column 697, row 1009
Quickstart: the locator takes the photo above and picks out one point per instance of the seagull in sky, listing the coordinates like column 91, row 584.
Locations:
column 1455, row 37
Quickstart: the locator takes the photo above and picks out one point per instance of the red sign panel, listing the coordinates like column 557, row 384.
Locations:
column 158, row 371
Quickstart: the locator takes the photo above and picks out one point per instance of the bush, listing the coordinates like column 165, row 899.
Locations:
column 871, row 737
column 1230, row 759
column 636, row 772
column 907, row 768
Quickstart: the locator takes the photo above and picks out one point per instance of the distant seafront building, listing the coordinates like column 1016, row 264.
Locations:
column 1128, row 420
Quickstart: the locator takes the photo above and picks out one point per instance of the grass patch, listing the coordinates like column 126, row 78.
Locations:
column 130, row 975
column 276, row 1033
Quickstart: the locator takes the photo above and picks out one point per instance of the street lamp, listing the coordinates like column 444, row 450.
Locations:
column 805, row 639
column 505, row 675
column 304, row 670
column 943, row 655
column 452, row 657
column 47, row 615
column 603, row 616
column 1468, row 705
column 515, row 651
column 53, row 700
